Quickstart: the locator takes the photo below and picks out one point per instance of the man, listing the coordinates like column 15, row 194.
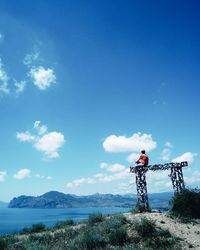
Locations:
column 143, row 161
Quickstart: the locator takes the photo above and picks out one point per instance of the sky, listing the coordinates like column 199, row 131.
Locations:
column 85, row 85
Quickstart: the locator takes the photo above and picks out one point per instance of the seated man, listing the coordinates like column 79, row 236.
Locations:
column 143, row 160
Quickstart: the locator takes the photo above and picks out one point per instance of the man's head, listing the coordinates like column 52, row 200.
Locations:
column 143, row 151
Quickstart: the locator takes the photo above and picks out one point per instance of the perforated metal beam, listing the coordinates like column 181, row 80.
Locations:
column 164, row 166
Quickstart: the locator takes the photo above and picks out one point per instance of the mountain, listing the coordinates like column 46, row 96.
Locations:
column 3, row 204
column 54, row 199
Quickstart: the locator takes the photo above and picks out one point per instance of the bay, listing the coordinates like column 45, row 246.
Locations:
column 13, row 220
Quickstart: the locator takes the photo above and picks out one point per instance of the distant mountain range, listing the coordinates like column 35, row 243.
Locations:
column 3, row 204
column 54, row 199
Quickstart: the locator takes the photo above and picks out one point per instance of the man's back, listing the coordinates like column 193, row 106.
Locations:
column 144, row 159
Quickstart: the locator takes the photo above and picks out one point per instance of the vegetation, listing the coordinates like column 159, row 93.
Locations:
column 153, row 237
column 63, row 224
column 3, row 244
column 36, row 228
column 145, row 228
column 99, row 232
column 186, row 204
column 139, row 208
column 95, row 218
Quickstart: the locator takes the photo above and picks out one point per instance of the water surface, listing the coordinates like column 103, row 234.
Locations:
column 13, row 220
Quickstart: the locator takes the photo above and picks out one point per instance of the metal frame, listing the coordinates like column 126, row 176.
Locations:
column 176, row 176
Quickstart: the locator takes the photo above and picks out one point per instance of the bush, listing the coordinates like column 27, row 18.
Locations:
column 92, row 239
column 3, row 244
column 161, row 243
column 114, row 222
column 62, row 224
column 140, row 208
column 42, row 239
column 145, row 228
column 118, row 236
column 36, row 228
column 25, row 230
column 186, row 204
column 95, row 218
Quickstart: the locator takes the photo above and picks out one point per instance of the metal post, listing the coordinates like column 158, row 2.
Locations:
column 177, row 179
column 141, row 188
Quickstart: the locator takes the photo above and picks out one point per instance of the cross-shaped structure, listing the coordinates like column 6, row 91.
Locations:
column 176, row 175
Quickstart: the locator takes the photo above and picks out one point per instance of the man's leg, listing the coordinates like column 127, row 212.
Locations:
column 140, row 165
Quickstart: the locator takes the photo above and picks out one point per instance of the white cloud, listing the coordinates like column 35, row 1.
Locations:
column 194, row 179
column 2, row 176
column 3, row 79
column 133, row 157
column 168, row 144
column 165, row 154
column 20, row 86
column 78, row 182
column 136, row 142
column 159, row 181
column 43, row 177
column 25, row 136
column 118, row 171
column 29, row 59
column 188, row 156
column 22, row 174
column 39, row 176
column 126, row 187
column 42, row 78
column 1, row 37
column 99, row 175
column 125, row 173
column 50, row 143
column 42, row 129
column 112, row 167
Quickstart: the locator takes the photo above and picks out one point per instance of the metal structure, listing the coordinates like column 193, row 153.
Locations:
column 176, row 176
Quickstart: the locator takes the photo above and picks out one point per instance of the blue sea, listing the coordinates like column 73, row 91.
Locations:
column 13, row 220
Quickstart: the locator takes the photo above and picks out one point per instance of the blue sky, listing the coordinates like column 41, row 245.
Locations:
column 85, row 85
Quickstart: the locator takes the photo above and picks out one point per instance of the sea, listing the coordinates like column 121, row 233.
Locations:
column 13, row 220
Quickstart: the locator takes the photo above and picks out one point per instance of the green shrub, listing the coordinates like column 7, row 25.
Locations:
column 92, row 239
column 43, row 238
column 145, row 228
column 164, row 233
column 140, row 208
column 62, row 224
column 131, row 247
column 186, row 204
column 95, row 218
column 3, row 244
column 118, row 236
column 161, row 243
column 25, row 230
column 36, row 228
column 154, row 238
column 114, row 222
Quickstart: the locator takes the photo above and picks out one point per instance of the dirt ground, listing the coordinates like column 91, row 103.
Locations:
column 188, row 232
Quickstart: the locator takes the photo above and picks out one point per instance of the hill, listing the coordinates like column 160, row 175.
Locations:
column 143, row 231
column 54, row 199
